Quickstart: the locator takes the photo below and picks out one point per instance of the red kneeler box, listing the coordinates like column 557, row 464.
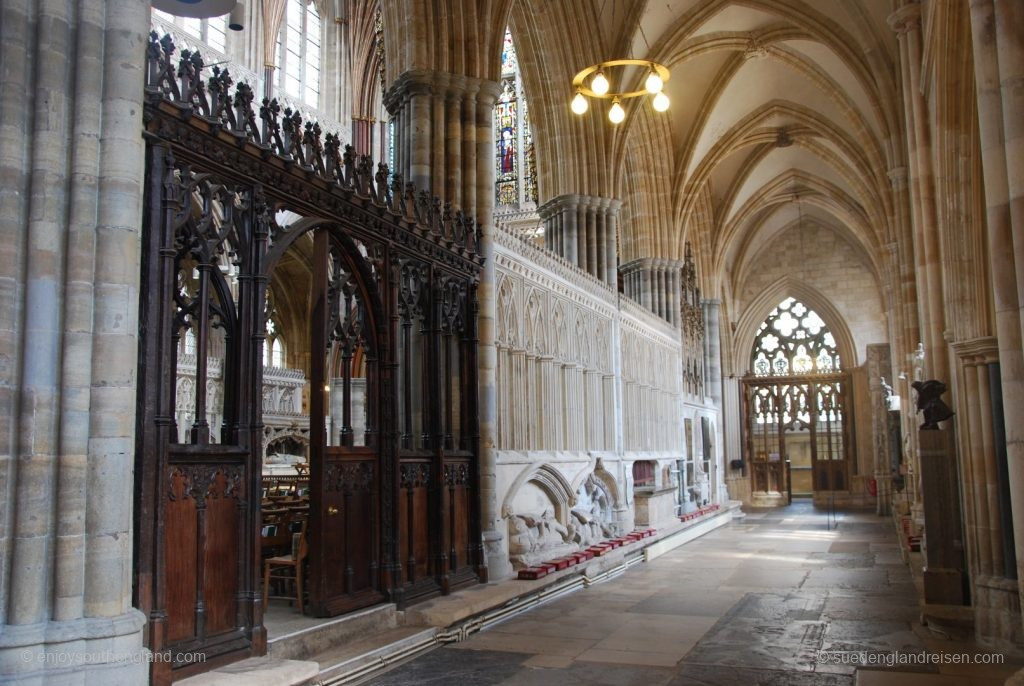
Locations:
column 532, row 573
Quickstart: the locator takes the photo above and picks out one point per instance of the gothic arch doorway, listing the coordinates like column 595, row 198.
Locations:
column 323, row 289
column 797, row 407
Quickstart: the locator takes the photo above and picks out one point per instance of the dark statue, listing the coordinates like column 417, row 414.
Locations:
column 930, row 402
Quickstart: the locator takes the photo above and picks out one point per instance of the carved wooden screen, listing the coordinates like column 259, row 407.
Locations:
column 797, row 390
column 394, row 498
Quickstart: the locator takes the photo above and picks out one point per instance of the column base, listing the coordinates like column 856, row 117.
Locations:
column 496, row 552
column 943, row 586
column 93, row 650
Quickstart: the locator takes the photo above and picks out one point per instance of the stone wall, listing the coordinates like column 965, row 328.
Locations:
column 812, row 253
column 588, row 383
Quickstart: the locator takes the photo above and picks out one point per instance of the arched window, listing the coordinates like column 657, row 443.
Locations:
column 273, row 347
column 515, row 165
column 794, row 340
column 212, row 31
column 298, row 52
column 795, row 405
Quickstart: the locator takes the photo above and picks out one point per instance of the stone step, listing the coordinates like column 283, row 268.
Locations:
column 257, row 671
column 359, row 660
column 306, row 642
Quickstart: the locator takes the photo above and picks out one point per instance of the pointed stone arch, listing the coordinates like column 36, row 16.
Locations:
column 759, row 308
column 597, row 468
column 550, row 481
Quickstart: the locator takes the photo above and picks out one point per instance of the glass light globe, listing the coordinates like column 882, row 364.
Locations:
column 579, row 104
column 616, row 114
column 600, row 84
column 653, row 83
column 660, row 102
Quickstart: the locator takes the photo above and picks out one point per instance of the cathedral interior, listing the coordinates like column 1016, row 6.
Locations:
column 512, row 342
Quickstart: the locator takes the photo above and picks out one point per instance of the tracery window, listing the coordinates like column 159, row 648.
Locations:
column 273, row 347
column 794, row 340
column 212, row 31
column 298, row 52
column 515, row 162
column 795, row 404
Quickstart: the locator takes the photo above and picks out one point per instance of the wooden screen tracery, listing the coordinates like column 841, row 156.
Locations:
column 796, row 391
column 393, row 506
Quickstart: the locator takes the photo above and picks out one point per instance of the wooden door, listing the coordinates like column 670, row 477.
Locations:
column 344, row 572
column 828, row 442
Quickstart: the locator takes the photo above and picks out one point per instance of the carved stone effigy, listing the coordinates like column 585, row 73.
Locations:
column 533, row 538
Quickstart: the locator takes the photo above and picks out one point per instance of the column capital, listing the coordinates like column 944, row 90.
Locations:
column 984, row 350
column 439, row 83
column 650, row 263
column 576, row 200
column 897, row 178
column 906, row 18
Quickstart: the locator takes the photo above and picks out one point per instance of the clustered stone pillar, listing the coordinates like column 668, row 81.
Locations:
column 582, row 229
column 363, row 129
column 656, row 283
column 713, row 387
column 443, row 143
column 712, row 350
column 906, row 21
column 71, row 170
column 998, row 42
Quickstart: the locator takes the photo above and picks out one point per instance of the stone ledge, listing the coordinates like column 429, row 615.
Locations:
column 258, row 671
column 447, row 611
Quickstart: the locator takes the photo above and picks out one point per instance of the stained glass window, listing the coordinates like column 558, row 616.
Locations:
column 515, row 166
column 391, row 145
column 794, row 340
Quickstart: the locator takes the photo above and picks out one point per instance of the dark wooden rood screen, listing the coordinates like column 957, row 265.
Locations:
column 393, row 499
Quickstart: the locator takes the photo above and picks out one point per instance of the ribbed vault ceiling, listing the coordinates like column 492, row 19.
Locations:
column 780, row 109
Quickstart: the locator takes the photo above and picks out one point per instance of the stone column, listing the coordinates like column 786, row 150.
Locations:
column 906, row 21
column 431, row 156
column 998, row 69
column 581, row 229
column 592, row 265
column 713, row 359
column 654, row 283
column 70, row 209
column 611, row 238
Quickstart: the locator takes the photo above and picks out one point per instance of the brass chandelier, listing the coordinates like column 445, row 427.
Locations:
column 600, row 87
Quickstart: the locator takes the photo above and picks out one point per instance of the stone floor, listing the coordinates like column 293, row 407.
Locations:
column 770, row 599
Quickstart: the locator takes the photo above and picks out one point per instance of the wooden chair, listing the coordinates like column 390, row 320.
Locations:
column 295, row 562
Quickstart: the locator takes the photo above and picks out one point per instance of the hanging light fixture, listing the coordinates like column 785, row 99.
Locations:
column 579, row 103
column 600, row 87
column 616, row 114
column 653, row 84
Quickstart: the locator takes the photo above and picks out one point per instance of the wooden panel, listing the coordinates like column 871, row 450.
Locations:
column 457, row 515
column 221, row 557
column 413, row 520
column 180, row 545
